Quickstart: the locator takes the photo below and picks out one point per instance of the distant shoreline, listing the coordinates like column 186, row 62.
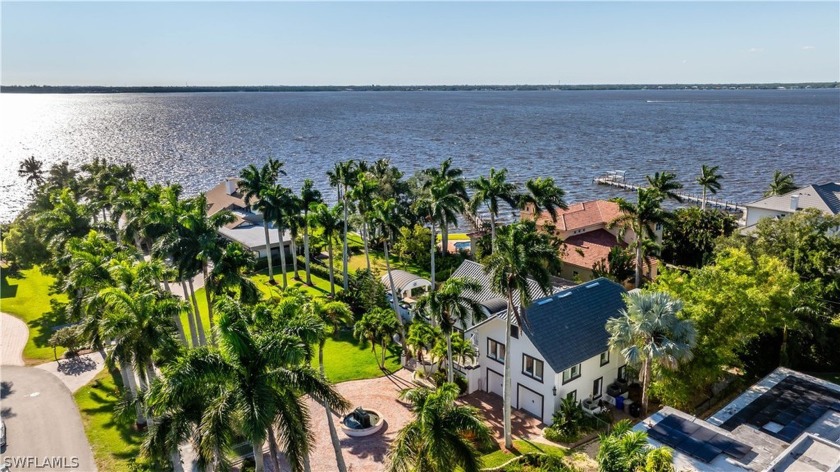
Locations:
column 407, row 88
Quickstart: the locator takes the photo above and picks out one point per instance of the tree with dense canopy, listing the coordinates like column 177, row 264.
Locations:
column 642, row 218
column 782, row 183
column 443, row 435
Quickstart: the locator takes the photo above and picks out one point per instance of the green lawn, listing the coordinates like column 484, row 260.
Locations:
column 520, row 446
column 26, row 295
column 347, row 359
column 113, row 444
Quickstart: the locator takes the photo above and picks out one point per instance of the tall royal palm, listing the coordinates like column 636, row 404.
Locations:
column 200, row 242
column 521, row 253
column 666, row 184
column 441, row 205
column 261, row 379
column 542, row 194
column 649, row 333
column 253, row 184
column 442, row 436
column 309, row 195
column 278, row 202
column 140, row 327
column 67, row 219
column 228, row 276
column 782, row 184
column 709, row 179
column 363, row 194
column 449, row 308
column 490, row 191
column 334, row 314
column 387, row 217
column 642, row 218
column 450, row 197
column 344, row 177
column 33, row 170
column 329, row 221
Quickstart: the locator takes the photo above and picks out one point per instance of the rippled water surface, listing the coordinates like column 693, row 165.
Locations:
column 198, row 139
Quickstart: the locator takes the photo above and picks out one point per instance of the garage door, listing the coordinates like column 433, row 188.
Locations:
column 530, row 401
column 495, row 382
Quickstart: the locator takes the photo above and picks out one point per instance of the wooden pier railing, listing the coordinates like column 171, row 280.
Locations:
column 618, row 179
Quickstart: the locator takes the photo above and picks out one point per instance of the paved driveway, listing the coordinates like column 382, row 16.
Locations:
column 37, row 406
column 13, row 336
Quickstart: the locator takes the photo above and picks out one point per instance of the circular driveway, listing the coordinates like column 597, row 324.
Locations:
column 42, row 423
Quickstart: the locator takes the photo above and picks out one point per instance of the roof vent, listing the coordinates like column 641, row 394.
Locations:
column 544, row 301
column 794, row 202
column 593, row 285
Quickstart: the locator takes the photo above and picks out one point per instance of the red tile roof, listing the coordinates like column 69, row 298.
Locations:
column 584, row 250
column 582, row 215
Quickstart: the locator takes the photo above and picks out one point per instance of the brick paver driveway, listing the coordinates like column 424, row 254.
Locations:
column 523, row 425
column 362, row 454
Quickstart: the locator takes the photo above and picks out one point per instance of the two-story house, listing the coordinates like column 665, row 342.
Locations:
column 586, row 235
column 825, row 197
column 561, row 351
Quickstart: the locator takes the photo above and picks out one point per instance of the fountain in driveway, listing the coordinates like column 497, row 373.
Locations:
column 361, row 422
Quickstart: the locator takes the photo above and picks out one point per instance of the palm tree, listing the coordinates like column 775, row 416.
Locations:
column 140, row 327
column 363, row 194
column 278, row 200
column 520, row 253
column 228, row 276
column 709, row 179
column 329, row 220
column 490, row 191
column 254, row 183
column 623, row 449
column 295, row 221
column 259, row 379
column 642, row 218
column 449, row 199
column 344, row 176
column 33, row 170
column 782, row 184
column 442, row 436
column 449, row 306
column 387, row 217
column 648, row 332
column 335, row 314
column 309, row 195
column 543, row 194
column 666, row 184
column 67, row 219
column 421, row 338
column 377, row 326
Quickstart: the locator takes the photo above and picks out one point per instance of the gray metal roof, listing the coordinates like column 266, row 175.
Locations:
column 569, row 327
column 494, row 305
column 475, row 271
column 401, row 279
column 825, row 197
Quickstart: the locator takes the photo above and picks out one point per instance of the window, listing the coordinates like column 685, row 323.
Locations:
column 571, row 373
column 572, row 395
column 596, row 387
column 532, row 367
column 514, row 331
column 605, row 358
column 495, row 350
column 622, row 372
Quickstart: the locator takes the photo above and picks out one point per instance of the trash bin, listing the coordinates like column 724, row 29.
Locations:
column 635, row 410
column 619, row 403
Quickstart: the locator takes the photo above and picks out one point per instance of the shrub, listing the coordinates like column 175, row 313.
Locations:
column 69, row 337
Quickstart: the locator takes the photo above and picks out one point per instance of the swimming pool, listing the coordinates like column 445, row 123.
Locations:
column 462, row 245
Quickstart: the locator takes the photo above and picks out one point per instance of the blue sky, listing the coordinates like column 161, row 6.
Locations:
column 281, row 43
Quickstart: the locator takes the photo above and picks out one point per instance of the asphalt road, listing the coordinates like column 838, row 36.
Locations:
column 37, row 406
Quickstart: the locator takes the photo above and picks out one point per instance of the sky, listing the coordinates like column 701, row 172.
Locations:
column 408, row 43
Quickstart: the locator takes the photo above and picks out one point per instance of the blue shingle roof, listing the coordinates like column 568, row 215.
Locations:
column 569, row 327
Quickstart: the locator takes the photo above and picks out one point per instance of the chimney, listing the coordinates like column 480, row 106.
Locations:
column 794, row 202
column 230, row 186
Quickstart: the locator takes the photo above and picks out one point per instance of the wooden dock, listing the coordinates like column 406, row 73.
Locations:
column 618, row 179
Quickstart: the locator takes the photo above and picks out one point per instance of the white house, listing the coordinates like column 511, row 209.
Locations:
column 825, row 197
column 561, row 352
column 247, row 227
